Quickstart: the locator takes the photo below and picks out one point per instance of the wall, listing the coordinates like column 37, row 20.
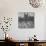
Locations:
column 10, row 8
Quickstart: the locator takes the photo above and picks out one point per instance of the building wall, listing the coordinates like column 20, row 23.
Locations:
column 11, row 8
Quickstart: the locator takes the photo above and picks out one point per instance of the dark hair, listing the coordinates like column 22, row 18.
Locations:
column 34, row 35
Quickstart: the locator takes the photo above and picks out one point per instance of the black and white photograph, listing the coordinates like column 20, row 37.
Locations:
column 26, row 19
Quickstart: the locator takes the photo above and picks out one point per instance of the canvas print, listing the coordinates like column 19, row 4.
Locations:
column 26, row 20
